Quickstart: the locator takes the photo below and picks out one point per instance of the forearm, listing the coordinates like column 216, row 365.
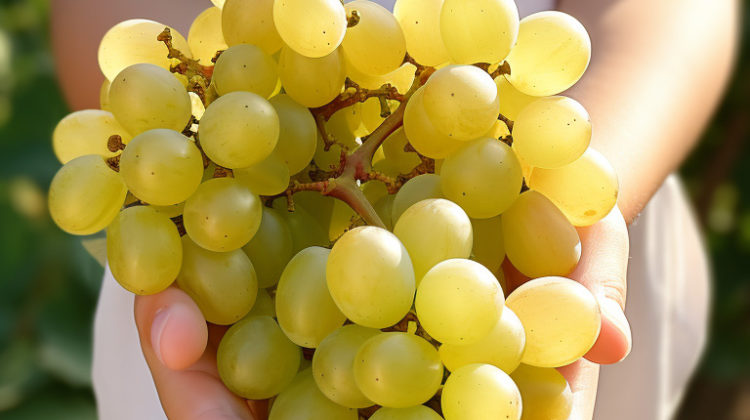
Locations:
column 658, row 70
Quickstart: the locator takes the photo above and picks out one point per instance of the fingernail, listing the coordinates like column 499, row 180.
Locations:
column 157, row 328
column 614, row 314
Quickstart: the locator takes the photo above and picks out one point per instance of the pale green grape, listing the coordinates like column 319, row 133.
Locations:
column 478, row 31
column 254, row 345
column 502, row 347
column 401, row 78
column 414, row 190
column 552, row 52
column 488, row 248
column 512, row 101
column 374, row 190
column 250, row 22
column 545, row 393
column 312, row 82
column 353, row 116
column 271, row 247
column 585, row 190
column 342, row 218
column 312, row 28
column 245, row 68
column 85, row 195
column 539, row 239
column 223, row 284
column 143, row 250
column 552, row 132
column 561, row 318
column 384, row 209
column 306, row 230
column 161, row 167
column 267, row 177
column 371, row 114
column 143, row 97
column 432, row 231
column 205, row 38
column 345, row 141
column 484, row 177
column 239, row 129
column 86, row 133
column 397, row 369
column 302, row 400
column 318, row 205
column 393, row 147
column 134, row 41
column 333, row 365
column 104, row 96
column 263, row 306
column 418, row 412
column 298, row 136
column 373, row 288
column 461, row 101
column 421, row 132
column 459, row 301
column 376, row 44
column 170, row 211
column 480, row 391
column 420, row 21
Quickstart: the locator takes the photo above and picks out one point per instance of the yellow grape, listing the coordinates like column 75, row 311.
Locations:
column 484, row 177
column 331, row 159
column 298, row 133
column 461, row 101
column 539, row 240
column 250, row 22
column 245, row 68
column 401, row 78
column 480, row 391
column 143, row 250
column 86, row 132
column 376, row 44
column 205, row 37
column 318, row 205
column 419, row 188
column 271, row 247
column 161, row 167
column 353, row 117
column 222, row 284
column 478, row 31
column 306, row 230
column 257, row 344
column 312, row 28
column 134, row 41
column 561, row 318
column 371, row 113
column 342, row 218
column 197, row 107
column 498, row 130
column 302, row 400
column 512, row 101
column 420, row 21
column 239, row 129
column 394, row 150
column 552, row 132
column 170, row 211
column 545, row 393
column 104, row 96
column 263, row 306
column 267, row 177
column 384, row 209
column 488, row 248
column 312, row 82
column 85, row 195
column 585, row 190
column 418, row 412
column 143, row 97
column 552, row 52
column 396, row 369
column 379, row 295
column 421, row 132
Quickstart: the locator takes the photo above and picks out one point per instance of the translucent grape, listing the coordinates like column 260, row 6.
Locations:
column 305, row 229
column 396, row 369
column 480, row 391
column 85, row 195
column 170, row 211
column 376, row 44
column 384, row 209
column 271, row 247
column 253, row 345
column 302, row 400
column 86, row 133
column 161, row 167
column 545, row 393
column 498, row 130
column 342, row 218
column 298, row 135
column 393, row 147
column 104, row 95
column 263, row 306
column 205, row 37
column 539, row 240
column 418, row 412
column 312, row 82
column 143, row 250
column 380, row 295
column 512, row 101
column 421, row 132
column 420, row 21
column 245, row 68
column 318, row 205
column 478, row 31
column 250, row 22
column 196, row 107
column 371, row 113
column 488, row 248
column 419, row 188
column 312, row 28
column 267, row 177
column 401, row 78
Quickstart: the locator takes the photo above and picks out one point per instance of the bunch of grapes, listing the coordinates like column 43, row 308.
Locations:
column 341, row 185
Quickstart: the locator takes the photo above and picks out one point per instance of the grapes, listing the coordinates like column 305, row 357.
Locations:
column 312, row 28
column 416, row 189
column 421, row 131
column 393, row 149
column 250, row 22
column 312, row 82
column 480, row 391
column 488, row 248
column 245, row 68
column 86, row 133
column 267, row 177
column 418, row 412
column 545, row 393
column 271, row 247
column 205, row 37
column 302, row 400
column 420, row 21
column 297, row 135
column 478, row 31
column 511, row 100
column 263, row 306
column 376, row 44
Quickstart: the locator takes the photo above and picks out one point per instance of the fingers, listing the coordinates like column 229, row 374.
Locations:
column 583, row 377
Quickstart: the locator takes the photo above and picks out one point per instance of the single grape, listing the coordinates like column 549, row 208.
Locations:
column 246, row 68
column 419, row 188
column 86, row 132
column 250, row 22
column 401, row 78
column 312, row 28
column 545, row 393
column 384, row 209
column 371, row 113
column 267, row 177
column 264, row 305
column 312, row 82
column 197, row 108
column 302, row 400
column 298, row 134
column 478, row 31
column 376, row 44
column 170, row 211
column 480, row 391
column 418, row 412
column 420, row 21
column 271, row 247
column 104, row 96
column 512, row 101
column 318, row 205
column 342, row 218
column 421, row 132
column 345, row 142
column 394, row 150
column 305, row 228
column 488, row 248
column 205, row 37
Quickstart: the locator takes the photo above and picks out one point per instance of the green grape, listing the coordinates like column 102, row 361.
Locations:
column 205, row 38
column 432, row 231
column 223, row 284
column 374, row 190
column 393, row 148
column 134, row 41
column 267, row 177
column 421, row 132
column 484, row 177
column 480, row 391
column 333, row 365
column 461, row 101
column 478, row 31
column 222, row 215
column 86, row 133
column 459, row 301
column 420, row 21
column 239, row 129
column 143, row 97
column 306, row 230
column 488, row 248
column 585, row 190
column 552, row 52
column 271, row 247
column 396, row 369
column 342, row 218
column 418, row 412
column 384, row 209
column 264, row 305
column 143, row 250
column 104, row 96
column 302, row 400
column 331, row 159
column 539, row 239
column 376, row 44
column 545, row 393
column 414, row 190
column 312, row 82
column 254, row 345
column 245, row 68
column 304, row 307
column 401, row 78
column 85, row 195
column 161, row 167
column 250, row 22
column 318, row 205
column 170, row 211
column 312, row 28
column 371, row 114
column 512, row 101
column 298, row 134
column 380, row 295
column 502, row 347
column 353, row 117
column 552, row 132
column 561, row 318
